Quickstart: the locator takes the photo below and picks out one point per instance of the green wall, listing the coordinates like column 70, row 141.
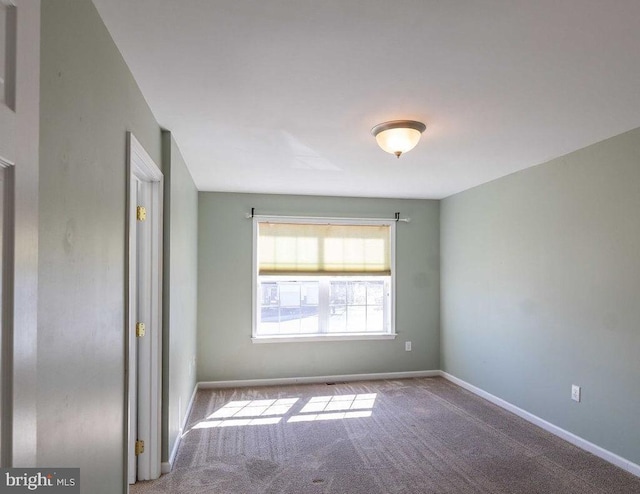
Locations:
column 225, row 350
column 540, row 284
column 180, row 292
column 89, row 100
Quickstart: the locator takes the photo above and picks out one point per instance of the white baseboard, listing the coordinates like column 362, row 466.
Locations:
column 316, row 379
column 619, row 461
column 166, row 466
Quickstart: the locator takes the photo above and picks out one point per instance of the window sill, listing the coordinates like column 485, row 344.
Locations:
column 323, row 337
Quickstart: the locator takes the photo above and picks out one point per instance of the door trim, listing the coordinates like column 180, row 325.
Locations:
column 142, row 167
column 7, row 323
column 8, row 123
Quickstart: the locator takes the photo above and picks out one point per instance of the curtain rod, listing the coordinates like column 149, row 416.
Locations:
column 253, row 214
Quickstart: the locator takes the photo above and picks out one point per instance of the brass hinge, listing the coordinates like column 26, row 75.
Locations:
column 140, row 330
column 139, row 447
column 141, row 213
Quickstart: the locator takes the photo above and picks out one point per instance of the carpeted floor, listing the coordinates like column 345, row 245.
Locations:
column 381, row 437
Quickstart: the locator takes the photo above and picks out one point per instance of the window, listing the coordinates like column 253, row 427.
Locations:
column 319, row 280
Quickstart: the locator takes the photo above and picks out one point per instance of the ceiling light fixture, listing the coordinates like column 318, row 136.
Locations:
column 398, row 136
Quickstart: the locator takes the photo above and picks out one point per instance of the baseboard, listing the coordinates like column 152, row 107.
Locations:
column 166, row 466
column 606, row 455
column 316, row 379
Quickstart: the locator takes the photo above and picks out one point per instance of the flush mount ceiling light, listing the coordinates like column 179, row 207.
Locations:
column 398, row 136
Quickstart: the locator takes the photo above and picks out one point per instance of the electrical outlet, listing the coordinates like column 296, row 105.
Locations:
column 575, row 393
column 407, row 346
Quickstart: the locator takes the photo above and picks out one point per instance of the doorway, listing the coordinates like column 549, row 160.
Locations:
column 144, row 315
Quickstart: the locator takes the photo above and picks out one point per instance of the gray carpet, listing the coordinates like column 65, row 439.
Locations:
column 381, row 437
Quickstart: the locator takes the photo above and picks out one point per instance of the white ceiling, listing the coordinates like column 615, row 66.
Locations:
column 279, row 96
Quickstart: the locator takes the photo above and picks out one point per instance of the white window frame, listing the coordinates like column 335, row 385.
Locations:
column 255, row 338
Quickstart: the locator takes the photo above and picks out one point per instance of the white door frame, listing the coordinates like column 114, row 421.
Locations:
column 6, row 320
column 143, row 169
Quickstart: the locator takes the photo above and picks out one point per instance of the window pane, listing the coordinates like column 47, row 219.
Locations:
column 375, row 293
column 289, row 295
column 338, row 293
column 338, row 319
column 270, row 313
column 288, row 307
column 357, row 293
column 289, row 321
column 309, row 323
column 310, row 294
column 269, row 327
column 375, row 319
column 356, row 319
column 337, row 307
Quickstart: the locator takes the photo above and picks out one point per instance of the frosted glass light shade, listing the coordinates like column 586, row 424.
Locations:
column 398, row 136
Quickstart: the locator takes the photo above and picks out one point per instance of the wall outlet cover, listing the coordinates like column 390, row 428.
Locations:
column 575, row 393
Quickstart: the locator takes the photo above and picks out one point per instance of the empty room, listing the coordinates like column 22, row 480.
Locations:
column 303, row 246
